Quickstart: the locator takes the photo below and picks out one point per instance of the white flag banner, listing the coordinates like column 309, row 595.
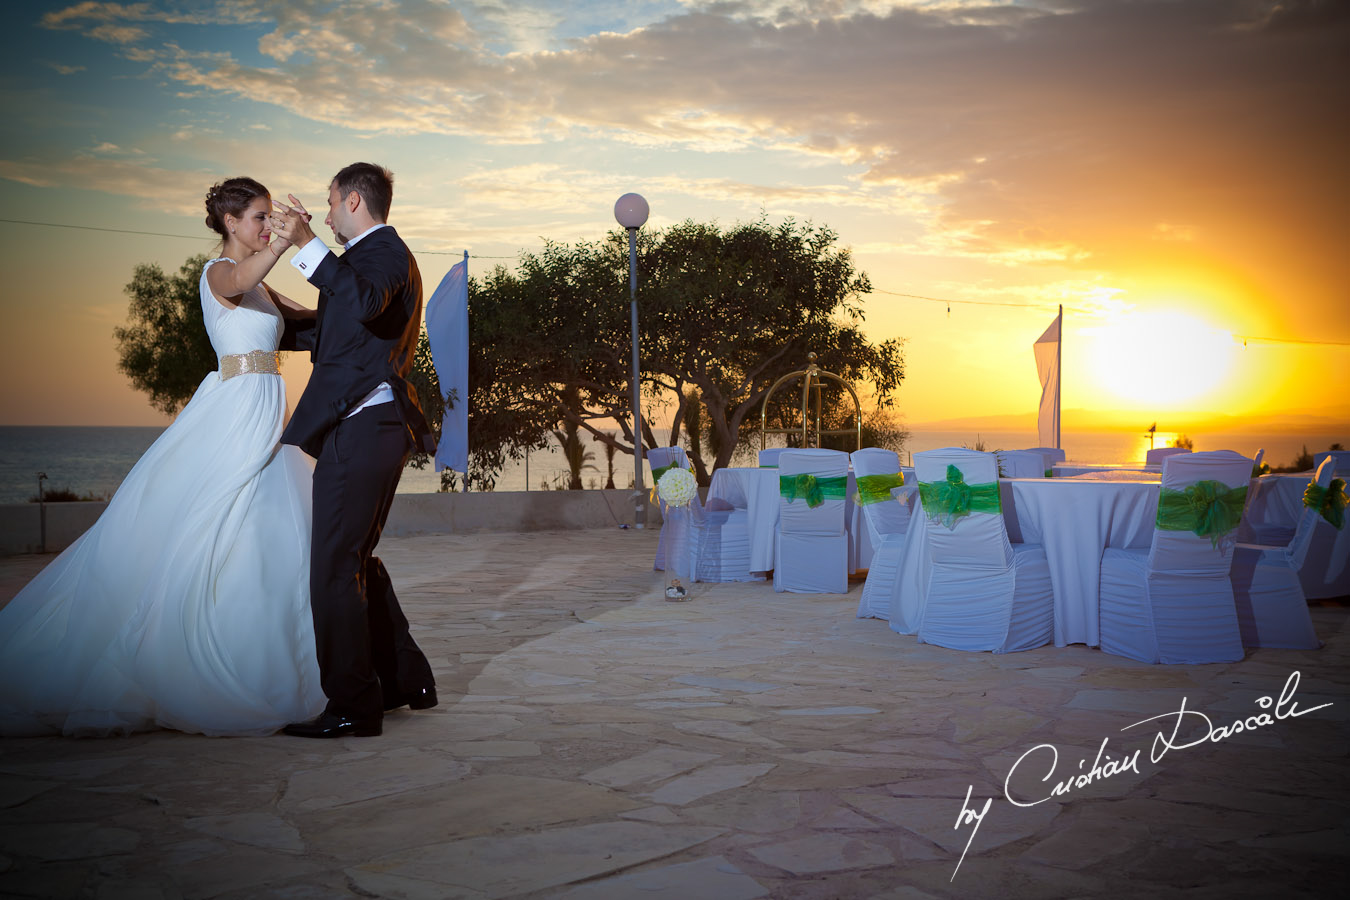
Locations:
column 1047, row 366
column 448, row 334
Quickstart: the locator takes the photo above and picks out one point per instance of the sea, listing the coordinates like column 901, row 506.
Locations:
column 92, row 461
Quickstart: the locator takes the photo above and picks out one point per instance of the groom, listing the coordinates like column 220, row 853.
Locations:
column 359, row 418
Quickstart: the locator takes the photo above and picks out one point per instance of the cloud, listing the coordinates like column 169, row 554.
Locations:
column 118, row 34
column 1047, row 132
column 210, row 13
column 65, row 70
column 72, row 16
column 108, row 149
column 156, row 188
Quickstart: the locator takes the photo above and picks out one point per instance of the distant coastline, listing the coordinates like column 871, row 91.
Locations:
column 1295, row 422
column 95, row 459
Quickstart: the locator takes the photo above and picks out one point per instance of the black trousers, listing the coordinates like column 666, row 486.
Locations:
column 366, row 654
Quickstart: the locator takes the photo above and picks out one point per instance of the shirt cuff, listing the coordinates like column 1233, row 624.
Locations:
column 308, row 257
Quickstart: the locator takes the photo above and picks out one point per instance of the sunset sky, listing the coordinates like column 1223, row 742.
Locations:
column 1172, row 171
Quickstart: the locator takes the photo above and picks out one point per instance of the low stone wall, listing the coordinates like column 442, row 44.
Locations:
column 21, row 525
column 21, row 528
column 513, row 511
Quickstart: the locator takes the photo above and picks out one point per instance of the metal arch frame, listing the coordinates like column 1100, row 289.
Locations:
column 813, row 375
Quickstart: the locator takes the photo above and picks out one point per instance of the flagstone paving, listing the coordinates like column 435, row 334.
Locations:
column 595, row 741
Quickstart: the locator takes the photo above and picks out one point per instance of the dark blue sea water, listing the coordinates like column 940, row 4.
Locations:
column 94, row 460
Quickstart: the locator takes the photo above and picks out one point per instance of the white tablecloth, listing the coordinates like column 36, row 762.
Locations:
column 1075, row 520
column 756, row 491
column 1069, row 470
column 910, row 592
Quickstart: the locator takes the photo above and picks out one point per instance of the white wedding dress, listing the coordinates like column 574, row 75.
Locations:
column 186, row 606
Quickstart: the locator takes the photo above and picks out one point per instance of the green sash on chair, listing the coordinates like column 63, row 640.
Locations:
column 1329, row 501
column 1207, row 508
column 812, row 489
column 657, row 473
column 947, row 501
column 877, row 488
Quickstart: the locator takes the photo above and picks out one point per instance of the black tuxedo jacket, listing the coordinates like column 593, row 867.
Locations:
column 366, row 331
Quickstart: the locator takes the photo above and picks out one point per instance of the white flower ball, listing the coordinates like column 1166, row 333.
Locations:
column 677, row 487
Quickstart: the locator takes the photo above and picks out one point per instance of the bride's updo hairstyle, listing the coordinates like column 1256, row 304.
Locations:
column 231, row 197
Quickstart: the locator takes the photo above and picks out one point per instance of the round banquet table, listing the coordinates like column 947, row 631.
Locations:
column 1074, row 519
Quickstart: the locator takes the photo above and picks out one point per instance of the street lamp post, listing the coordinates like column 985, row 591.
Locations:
column 631, row 212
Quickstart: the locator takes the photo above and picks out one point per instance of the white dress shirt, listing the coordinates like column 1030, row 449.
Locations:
column 306, row 260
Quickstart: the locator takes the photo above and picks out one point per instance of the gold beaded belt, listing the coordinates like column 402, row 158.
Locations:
column 254, row 362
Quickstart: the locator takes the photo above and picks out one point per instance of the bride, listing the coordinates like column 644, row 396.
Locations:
column 186, row 606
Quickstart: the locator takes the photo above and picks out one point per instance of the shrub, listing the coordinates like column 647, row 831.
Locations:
column 66, row 495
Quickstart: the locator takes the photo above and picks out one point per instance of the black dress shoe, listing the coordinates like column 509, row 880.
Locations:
column 329, row 725
column 422, row 698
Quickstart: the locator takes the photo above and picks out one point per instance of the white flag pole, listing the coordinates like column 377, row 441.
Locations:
column 1059, row 373
column 464, row 481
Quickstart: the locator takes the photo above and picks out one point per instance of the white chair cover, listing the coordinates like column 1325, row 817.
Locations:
column 1342, row 458
column 1021, row 464
column 658, row 458
column 1271, row 606
column 1252, row 531
column 984, row 593
column 1053, row 455
column 769, row 455
column 1327, row 571
column 886, row 524
column 1173, row 603
column 710, row 544
column 811, row 545
column 699, row 543
column 1155, row 456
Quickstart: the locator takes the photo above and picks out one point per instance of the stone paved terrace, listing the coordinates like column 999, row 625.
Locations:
column 594, row 741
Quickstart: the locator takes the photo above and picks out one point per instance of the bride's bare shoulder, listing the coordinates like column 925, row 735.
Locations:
column 218, row 272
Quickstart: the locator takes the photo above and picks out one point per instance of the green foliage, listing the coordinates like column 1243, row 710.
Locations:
column 881, row 426
column 730, row 312
column 1304, row 461
column 1184, row 442
column 164, row 348
column 722, row 315
column 979, row 446
column 66, row 495
column 577, row 457
column 610, row 450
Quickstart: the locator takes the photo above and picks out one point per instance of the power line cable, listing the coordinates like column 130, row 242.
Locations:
column 948, row 301
column 189, row 237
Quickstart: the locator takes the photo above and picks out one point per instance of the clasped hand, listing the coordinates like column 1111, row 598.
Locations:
column 291, row 223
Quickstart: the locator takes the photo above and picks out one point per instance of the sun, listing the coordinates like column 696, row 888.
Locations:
column 1160, row 361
